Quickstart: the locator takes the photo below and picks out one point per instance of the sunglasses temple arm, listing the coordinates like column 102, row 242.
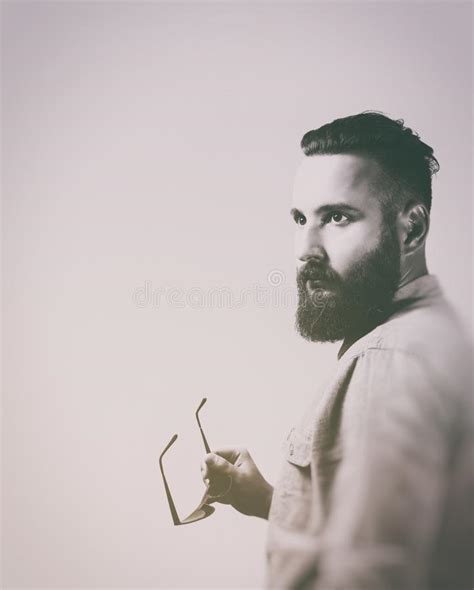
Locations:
column 206, row 444
column 174, row 513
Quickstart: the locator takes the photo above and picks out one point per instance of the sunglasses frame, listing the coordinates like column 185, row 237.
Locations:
column 204, row 509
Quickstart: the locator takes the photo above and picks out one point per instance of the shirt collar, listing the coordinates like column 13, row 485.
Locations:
column 422, row 288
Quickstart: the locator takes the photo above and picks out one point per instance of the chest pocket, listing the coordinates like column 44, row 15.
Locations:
column 291, row 505
column 297, row 448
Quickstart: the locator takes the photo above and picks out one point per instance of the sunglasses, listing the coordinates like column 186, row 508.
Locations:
column 219, row 486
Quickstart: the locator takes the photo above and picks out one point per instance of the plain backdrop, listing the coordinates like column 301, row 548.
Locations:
column 149, row 151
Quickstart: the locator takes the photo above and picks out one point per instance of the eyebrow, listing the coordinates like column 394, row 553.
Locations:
column 330, row 207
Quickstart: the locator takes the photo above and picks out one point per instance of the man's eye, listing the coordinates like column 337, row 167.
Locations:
column 299, row 218
column 337, row 218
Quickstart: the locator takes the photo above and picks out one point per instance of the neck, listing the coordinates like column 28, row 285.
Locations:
column 411, row 269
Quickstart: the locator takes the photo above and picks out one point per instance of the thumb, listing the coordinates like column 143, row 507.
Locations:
column 218, row 464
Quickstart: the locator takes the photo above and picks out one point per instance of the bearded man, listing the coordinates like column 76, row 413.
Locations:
column 376, row 487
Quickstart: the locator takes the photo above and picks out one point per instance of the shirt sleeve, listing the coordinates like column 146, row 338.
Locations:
column 388, row 492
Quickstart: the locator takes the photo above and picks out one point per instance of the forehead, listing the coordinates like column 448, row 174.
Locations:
column 322, row 179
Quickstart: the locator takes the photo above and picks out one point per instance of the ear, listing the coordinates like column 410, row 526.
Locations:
column 413, row 225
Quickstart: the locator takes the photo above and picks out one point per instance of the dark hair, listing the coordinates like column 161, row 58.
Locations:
column 408, row 162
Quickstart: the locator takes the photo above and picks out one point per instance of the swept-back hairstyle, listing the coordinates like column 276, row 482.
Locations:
column 407, row 163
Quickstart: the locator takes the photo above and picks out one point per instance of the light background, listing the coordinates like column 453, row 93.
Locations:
column 157, row 142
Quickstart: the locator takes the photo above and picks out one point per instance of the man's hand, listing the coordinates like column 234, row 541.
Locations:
column 249, row 493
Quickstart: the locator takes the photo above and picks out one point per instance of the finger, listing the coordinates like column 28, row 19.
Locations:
column 217, row 464
column 230, row 454
column 205, row 471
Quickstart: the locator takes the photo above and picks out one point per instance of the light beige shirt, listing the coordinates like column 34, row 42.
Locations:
column 376, row 490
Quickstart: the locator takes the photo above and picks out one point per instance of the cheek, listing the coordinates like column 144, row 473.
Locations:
column 347, row 246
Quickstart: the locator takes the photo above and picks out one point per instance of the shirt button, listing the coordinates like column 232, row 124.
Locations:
column 292, row 449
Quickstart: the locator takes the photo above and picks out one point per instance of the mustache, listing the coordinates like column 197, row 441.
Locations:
column 314, row 271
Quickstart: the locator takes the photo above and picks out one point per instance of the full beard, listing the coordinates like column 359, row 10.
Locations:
column 339, row 308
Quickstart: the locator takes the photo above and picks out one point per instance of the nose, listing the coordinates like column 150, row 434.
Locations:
column 308, row 245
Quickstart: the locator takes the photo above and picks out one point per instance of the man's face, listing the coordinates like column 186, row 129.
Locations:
column 348, row 255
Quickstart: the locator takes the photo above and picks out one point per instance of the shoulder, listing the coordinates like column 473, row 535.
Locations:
column 428, row 338
column 419, row 362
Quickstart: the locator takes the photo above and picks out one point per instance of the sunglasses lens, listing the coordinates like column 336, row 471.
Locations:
column 199, row 514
